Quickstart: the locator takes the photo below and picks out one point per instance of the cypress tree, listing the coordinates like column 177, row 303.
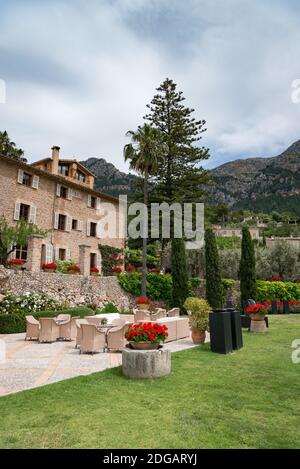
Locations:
column 214, row 289
column 180, row 290
column 247, row 267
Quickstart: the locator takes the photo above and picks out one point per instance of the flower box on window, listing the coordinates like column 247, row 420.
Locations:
column 15, row 264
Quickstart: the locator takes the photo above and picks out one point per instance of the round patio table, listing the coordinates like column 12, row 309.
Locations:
column 107, row 328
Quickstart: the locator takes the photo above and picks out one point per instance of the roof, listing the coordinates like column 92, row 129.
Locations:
column 67, row 182
column 64, row 160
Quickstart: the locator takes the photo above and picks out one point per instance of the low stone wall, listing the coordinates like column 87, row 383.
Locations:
column 72, row 289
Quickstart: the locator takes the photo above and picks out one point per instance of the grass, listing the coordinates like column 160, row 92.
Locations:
column 249, row 399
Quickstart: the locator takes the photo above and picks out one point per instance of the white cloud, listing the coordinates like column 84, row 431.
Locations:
column 79, row 74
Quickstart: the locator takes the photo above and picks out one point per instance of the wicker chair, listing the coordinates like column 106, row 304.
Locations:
column 32, row 328
column 160, row 313
column 67, row 329
column 92, row 340
column 174, row 312
column 119, row 322
column 141, row 315
column 78, row 323
column 49, row 331
column 64, row 317
column 116, row 338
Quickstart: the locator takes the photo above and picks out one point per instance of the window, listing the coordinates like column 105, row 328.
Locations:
column 93, row 229
column 93, row 260
column 74, row 224
column 62, row 222
column 93, row 202
column 62, row 254
column 63, row 169
column 24, row 212
column 63, row 193
column 21, row 252
column 27, row 179
column 80, row 176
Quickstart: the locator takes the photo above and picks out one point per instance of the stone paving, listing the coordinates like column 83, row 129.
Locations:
column 28, row 364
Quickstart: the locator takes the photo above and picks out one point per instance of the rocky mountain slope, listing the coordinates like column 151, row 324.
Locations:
column 261, row 184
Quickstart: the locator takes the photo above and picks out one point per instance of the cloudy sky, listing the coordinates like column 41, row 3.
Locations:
column 79, row 73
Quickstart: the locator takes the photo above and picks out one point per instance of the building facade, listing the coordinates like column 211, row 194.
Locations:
column 58, row 196
column 231, row 232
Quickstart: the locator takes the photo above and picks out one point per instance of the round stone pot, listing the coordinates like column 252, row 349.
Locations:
column 144, row 306
column 198, row 337
column 141, row 364
column 144, row 345
column 258, row 326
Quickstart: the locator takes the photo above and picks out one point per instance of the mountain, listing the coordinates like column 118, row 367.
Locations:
column 108, row 178
column 260, row 184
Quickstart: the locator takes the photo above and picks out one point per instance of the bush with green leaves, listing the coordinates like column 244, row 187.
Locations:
column 159, row 287
column 268, row 291
column 198, row 310
column 108, row 309
column 62, row 266
column 29, row 302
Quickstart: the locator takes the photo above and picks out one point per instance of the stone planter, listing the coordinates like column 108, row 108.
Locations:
column 94, row 274
column 257, row 317
column 258, row 326
column 73, row 272
column 144, row 307
column 49, row 271
column 198, row 337
column 15, row 266
column 144, row 345
column 140, row 364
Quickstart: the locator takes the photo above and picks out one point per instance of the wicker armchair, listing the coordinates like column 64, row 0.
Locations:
column 49, row 331
column 78, row 323
column 174, row 312
column 67, row 329
column 116, row 338
column 32, row 328
column 92, row 340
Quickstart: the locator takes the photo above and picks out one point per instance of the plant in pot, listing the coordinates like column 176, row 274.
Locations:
column 198, row 310
column 73, row 269
column 15, row 264
column 49, row 266
column 257, row 311
column 146, row 335
column 143, row 302
column 117, row 270
column 94, row 271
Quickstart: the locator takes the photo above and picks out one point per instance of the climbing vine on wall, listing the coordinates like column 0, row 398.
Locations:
column 111, row 258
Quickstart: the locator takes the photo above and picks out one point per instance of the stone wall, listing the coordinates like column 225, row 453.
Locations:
column 71, row 289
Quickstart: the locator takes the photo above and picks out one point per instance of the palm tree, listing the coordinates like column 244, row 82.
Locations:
column 145, row 151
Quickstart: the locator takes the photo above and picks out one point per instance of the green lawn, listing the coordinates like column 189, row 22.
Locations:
column 249, row 399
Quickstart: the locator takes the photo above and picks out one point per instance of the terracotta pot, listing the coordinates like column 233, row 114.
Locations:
column 73, row 272
column 49, row 270
column 144, row 306
column 198, row 337
column 257, row 317
column 94, row 274
column 144, row 345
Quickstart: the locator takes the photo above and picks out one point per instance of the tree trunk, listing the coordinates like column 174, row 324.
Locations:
column 144, row 264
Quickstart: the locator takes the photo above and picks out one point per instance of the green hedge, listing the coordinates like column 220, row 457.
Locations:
column 159, row 287
column 14, row 323
column 268, row 291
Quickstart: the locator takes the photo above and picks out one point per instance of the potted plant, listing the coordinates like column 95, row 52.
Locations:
column 143, row 302
column 198, row 310
column 15, row 264
column 73, row 269
column 117, row 270
column 94, row 271
column 257, row 312
column 130, row 268
column 49, row 266
column 146, row 335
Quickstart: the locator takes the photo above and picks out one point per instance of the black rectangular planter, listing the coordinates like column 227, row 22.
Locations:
column 246, row 321
column 236, row 329
column 220, row 332
column 274, row 307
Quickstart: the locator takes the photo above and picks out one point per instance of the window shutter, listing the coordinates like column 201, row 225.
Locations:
column 68, row 254
column 17, row 211
column 56, row 253
column 89, row 200
column 70, row 194
column 79, row 225
column 35, row 182
column 58, row 186
column 32, row 214
column 20, row 176
column 68, row 223
column 12, row 255
column 56, row 215
column 98, row 230
column 88, row 228
column 49, row 253
column 98, row 203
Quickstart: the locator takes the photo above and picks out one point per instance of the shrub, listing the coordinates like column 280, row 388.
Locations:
column 198, row 310
column 62, row 266
column 180, row 288
column 214, row 290
column 29, row 302
column 268, row 291
column 15, row 322
column 108, row 308
column 247, row 267
column 159, row 287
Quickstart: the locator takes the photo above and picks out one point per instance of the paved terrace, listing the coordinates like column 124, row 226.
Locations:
column 29, row 364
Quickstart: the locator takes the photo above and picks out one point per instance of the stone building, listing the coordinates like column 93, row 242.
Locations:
column 58, row 196
column 231, row 232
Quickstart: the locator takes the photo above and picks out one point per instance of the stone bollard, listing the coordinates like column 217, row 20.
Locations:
column 146, row 363
column 258, row 326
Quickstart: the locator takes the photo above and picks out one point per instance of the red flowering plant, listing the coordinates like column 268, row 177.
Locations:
column 49, row 265
column 117, row 270
column 276, row 278
column 94, row 269
column 143, row 300
column 130, row 268
column 15, row 261
column 147, row 332
column 73, row 268
column 257, row 309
